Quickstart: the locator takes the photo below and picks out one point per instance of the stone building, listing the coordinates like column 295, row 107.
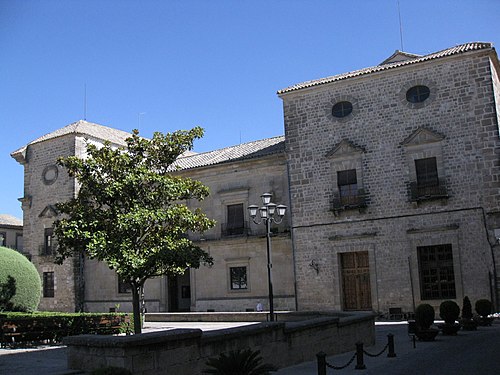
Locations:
column 391, row 174
column 11, row 232
column 394, row 181
column 237, row 280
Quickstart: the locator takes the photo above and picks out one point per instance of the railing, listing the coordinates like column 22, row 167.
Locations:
column 347, row 202
column 45, row 250
column 419, row 193
column 358, row 355
column 227, row 231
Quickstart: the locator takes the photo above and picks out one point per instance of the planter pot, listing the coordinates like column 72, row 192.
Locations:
column 469, row 325
column 449, row 329
column 427, row 334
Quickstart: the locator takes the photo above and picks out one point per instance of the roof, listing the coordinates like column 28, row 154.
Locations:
column 462, row 48
column 80, row 127
column 245, row 151
column 9, row 220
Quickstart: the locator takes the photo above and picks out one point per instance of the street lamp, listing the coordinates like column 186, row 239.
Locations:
column 269, row 213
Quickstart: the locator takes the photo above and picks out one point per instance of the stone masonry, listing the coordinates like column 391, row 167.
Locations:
column 381, row 139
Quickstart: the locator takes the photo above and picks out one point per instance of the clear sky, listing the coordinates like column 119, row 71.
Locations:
column 168, row 65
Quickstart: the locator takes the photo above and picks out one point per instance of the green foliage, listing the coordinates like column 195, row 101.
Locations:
column 129, row 211
column 449, row 311
column 7, row 292
column 246, row 362
column 18, row 275
column 54, row 326
column 424, row 315
column 111, row 370
column 466, row 309
column 484, row 307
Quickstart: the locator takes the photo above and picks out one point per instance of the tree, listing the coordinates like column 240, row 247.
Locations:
column 129, row 211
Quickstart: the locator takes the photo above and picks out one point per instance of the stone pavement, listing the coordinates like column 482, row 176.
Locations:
column 469, row 353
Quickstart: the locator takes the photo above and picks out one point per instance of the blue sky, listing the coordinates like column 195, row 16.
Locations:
column 168, row 65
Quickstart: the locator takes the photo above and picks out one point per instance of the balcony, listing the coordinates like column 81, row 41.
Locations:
column 231, row 230
column 348, row 202
column 422, row 193
column 45, row 250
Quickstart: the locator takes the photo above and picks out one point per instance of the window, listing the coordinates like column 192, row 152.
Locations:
column 123, row 286
column 48, row 241
column 48, row 284
column 437, row 279
column 235, row 219
column 427, row 175
column 417, row 94
column 342, row 109
column 19, row 242
column 348, row 187
column 238, row 278
column 3, row 237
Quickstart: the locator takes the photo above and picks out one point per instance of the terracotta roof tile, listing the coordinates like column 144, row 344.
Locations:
column 447, row 52
column 10, row 220
column 244, row 151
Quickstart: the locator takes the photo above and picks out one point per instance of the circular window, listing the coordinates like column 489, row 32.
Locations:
column 50, row 174
column 417, row 94
column 342, row 109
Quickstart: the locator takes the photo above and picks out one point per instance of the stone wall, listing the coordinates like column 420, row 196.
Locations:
column 185, row 351
column 381, row 139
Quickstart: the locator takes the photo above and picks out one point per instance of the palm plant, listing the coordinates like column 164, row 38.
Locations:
column 239, row 362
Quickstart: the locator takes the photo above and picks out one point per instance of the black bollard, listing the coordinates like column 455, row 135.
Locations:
column 321, row 363
column 390, row 344
column 359, row 356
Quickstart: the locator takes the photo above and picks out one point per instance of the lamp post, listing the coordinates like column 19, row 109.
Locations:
column 269, row 213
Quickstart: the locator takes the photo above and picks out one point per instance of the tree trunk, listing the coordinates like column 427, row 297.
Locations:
column 136, row 308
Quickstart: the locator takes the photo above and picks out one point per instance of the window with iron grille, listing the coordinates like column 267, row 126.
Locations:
column 238, row 277
column 235, row 219
column 48, row 241
column 3, row 237
column 427, row 175
column 19, row 242
column 124, row 286
column 48, row 284
column 348, row 187
column 437, row 278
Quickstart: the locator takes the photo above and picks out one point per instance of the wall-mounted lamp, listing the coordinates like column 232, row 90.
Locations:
column 314, row 265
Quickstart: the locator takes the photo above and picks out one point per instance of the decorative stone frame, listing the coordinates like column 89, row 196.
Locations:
column 47, row 178
column 433, row 236
column 344, row 156
column 231, row 197
column 237, row 262
column 418, row 82
column 337, row 99
column 424, row 143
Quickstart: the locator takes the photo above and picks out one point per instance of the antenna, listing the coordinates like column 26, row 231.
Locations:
column 85, row 102
column 400, row 28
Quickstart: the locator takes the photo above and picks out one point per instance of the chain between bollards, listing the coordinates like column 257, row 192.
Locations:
column 359, row 355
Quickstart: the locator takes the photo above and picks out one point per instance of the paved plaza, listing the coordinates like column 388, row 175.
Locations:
column 468, row 353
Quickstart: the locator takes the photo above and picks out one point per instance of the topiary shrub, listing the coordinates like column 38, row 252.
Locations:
column 424, row 316
column 23, row 289
column 466, row 309
column 449, row 311
column 484, row 307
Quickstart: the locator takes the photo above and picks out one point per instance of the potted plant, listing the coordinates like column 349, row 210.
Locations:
column 449, row 311
column 241, row 362
column 468, row 324
column 424, row 318
column 484, row 308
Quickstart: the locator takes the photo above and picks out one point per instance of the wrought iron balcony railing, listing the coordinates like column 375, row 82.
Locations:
column 347, row 202
column 420, row 193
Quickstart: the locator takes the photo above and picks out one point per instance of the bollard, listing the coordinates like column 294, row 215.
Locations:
column 321, row 363
column 390, row 344
column 359, row 356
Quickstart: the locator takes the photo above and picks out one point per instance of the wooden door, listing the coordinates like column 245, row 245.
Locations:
column 356, row 281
